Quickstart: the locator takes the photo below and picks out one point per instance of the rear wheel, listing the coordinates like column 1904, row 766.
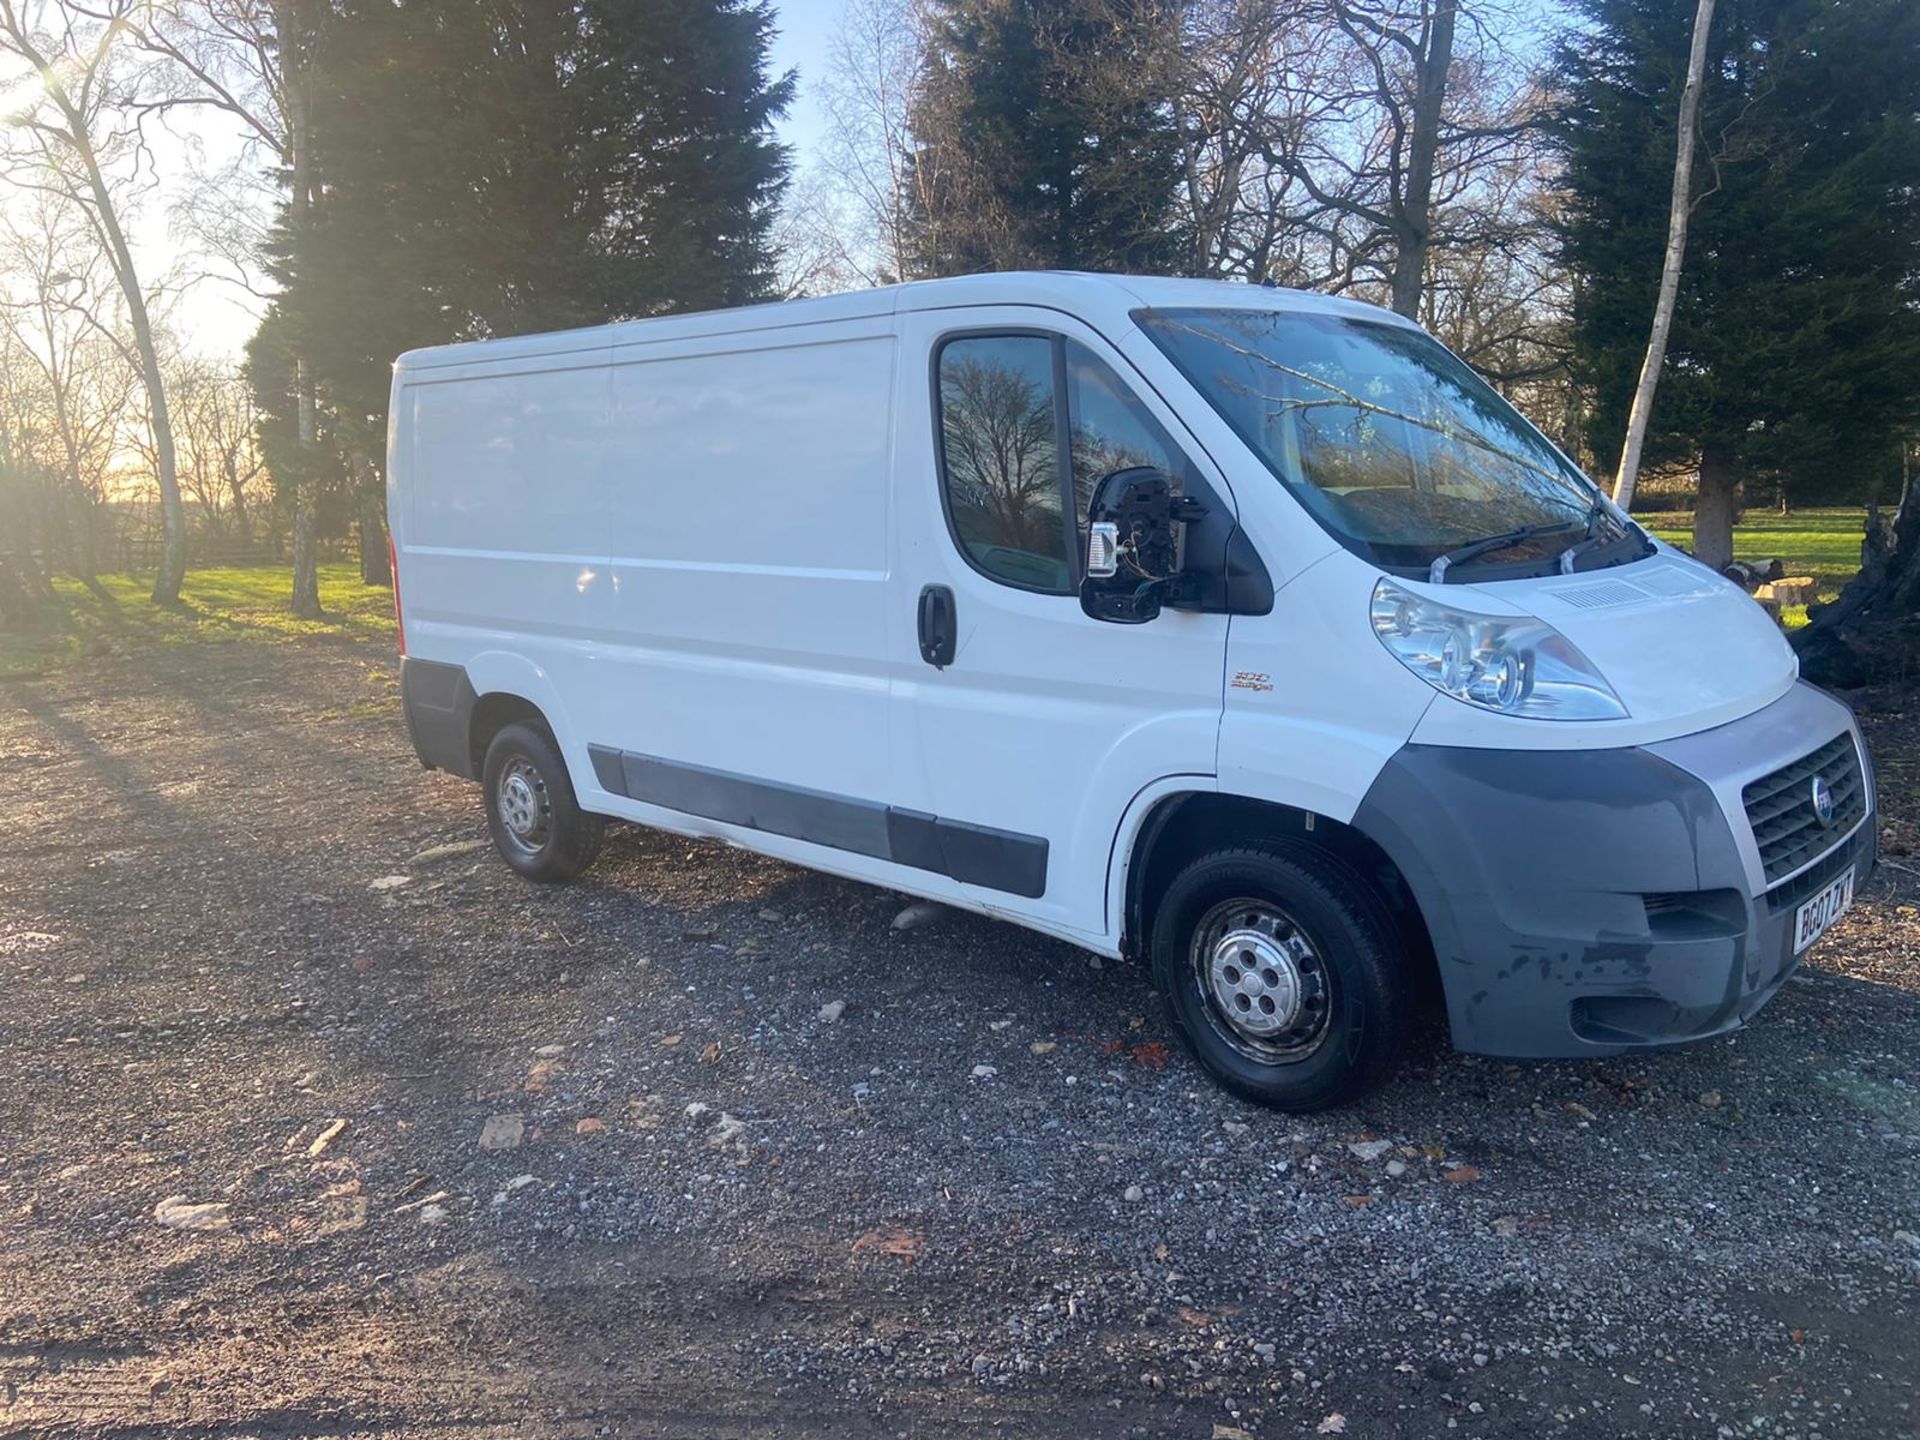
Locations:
column 1284, row 974
column 537, row 823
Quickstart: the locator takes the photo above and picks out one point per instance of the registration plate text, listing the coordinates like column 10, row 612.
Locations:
column 1811, row 919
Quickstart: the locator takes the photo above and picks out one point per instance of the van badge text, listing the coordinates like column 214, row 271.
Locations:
column 1252, row 680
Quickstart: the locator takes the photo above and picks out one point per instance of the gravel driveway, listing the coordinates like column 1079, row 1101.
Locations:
column 304, row 1132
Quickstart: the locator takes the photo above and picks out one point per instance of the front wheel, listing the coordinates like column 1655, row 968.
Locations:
column 1284, row 974
column 537, row 824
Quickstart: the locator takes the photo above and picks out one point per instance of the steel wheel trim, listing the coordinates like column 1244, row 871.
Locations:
column 1261, row 981
column 525, row 812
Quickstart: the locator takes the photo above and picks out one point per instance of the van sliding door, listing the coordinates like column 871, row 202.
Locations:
column 749, row 476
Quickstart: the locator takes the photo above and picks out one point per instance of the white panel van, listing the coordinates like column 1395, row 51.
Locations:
column 1243, row 630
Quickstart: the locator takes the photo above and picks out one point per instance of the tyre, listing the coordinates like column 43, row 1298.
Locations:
column 1285, row 974
column 537, row 824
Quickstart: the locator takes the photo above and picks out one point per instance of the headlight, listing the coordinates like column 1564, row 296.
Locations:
column 1510, row 665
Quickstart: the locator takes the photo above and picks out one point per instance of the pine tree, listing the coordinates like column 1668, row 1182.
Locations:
column 1795, row 351
column 492, row 167
column 1045, row 137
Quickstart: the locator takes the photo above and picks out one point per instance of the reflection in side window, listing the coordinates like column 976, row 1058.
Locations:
column 1002, row 463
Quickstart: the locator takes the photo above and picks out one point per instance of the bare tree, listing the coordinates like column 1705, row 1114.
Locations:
column 36, row 494
column 1503, row 301
column 1679, row 208
column 1352, row 140
column 821, row 249
column 70, row 369
column 1253, row 85
column 872, row 71
column 1430, row 53
column 247, row 58
column 220, row 459
column 77, row 137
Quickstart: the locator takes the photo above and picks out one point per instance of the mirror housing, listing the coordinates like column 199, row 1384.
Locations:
column 1133, row 553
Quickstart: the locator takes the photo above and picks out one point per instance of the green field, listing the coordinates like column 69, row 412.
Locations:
column 219, row 604
column 249, row 602
column 1822, row 543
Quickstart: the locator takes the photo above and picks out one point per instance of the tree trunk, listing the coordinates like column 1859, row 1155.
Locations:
column 18, row 613
column 306, row 567
column 32, row 572
column 83, row 550
column 1416, row 208
column 1678, row 208
column 82, row 553
column 173, row 513
column 1715, row 507
column 306, row 559
column 376, row 566
column 237, row 495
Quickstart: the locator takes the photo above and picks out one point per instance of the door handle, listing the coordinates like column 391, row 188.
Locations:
column 939, row 628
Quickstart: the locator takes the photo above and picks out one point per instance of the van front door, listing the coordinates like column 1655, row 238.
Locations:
column 1036, row 726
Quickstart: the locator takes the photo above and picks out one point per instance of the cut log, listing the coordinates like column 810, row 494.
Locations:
column 1748, row 574
column 1797, row 591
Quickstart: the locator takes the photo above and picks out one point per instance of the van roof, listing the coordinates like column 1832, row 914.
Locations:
column 1091, row 297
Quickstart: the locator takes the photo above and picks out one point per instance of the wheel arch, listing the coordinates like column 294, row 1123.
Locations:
column 509, row 688
column 493, row 712
column 1179, row 827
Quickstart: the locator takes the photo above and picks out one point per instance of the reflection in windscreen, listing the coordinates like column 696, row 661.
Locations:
column 1387, row 438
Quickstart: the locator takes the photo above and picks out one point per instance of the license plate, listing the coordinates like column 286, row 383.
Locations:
column 1811, row 919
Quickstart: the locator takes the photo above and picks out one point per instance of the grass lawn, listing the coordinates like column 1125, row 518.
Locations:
column 219, row 604
column 1822, row 543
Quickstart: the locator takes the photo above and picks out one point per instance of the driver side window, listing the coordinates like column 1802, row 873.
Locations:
column 1006, row 404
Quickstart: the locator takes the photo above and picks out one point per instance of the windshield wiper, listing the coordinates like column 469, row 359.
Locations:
column 1593, row 539
column 1474, row 549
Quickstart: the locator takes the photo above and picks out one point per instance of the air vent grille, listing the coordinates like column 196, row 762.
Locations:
column 1601, row 595
column 1780, row 806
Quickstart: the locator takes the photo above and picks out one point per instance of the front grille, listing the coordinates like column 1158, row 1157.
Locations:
column 1780, row 806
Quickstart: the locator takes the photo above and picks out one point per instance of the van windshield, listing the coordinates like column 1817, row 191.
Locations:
column 1390, row 441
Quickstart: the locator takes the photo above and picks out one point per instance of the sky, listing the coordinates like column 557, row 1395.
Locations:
column 807, row 29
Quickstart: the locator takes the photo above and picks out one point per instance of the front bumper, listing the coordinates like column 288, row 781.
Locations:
column 1599, row 901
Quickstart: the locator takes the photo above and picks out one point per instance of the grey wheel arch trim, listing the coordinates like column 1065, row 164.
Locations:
column 438, row 699
column 1529, row 868
column 1542, row 877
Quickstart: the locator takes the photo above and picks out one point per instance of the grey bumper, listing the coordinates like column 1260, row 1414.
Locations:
column 1596, row 901
column 438, row 700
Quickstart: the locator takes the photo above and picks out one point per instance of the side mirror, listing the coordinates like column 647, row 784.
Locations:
column 1133, row 558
